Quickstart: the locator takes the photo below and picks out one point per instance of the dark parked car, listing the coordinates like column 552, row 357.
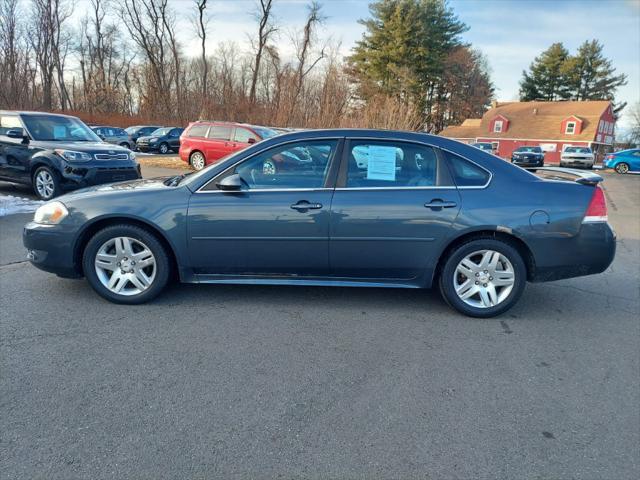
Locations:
column 138, row 131
column 53, row 153
column 162, row 140
column 442, row 213
column 528, row 157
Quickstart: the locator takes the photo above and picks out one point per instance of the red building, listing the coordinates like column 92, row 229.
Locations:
column 551, row 125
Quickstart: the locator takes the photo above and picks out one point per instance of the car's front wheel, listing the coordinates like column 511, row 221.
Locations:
column 126, row 264
column 125, row 145
column 622, row 168
column 164, row 148
column 197, row 160
column 483, row 277
column 46, row 184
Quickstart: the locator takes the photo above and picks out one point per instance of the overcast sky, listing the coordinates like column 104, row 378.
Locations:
column 510, row 32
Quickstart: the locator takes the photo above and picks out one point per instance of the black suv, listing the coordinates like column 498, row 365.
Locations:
column 162, row 140
column 138, row 131
column 53, row 153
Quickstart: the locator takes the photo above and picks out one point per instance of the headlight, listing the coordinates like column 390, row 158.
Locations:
column 51, row 213
column 72, row 156
column 153, row 139
column 132, row 155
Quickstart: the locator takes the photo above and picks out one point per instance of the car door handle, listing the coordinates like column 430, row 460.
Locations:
column 303, row 205
column 437, row 204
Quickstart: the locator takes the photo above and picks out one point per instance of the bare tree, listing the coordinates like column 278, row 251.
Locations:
column 303, row 51
column 202, row 24
column 17, row 75
column 266, row 29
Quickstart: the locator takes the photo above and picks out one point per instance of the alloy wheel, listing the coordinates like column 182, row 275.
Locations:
column 622, row 168
column 197, row 161
column 484, row 279
column 125, row 266
column 164, row 148
column 45, row 184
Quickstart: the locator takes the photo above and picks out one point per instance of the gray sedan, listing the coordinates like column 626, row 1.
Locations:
column 115, row 135
column 422, row 211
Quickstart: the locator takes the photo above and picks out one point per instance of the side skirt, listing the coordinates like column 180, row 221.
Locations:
column 316, row 282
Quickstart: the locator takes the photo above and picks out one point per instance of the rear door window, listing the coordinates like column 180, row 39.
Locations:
column 373, row 163
column 466, row 173
column 219, row 132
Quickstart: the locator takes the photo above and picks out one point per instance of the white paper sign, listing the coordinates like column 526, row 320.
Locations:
column 382, row 163
column 548, row 147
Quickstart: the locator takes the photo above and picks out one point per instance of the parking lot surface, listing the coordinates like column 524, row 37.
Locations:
column 262, row 382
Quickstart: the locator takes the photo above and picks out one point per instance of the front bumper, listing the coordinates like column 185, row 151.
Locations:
column 578, row 162
column 528, row 162
column 50, row 248
column 148, row 147
column 588, row 253
column 80, row 176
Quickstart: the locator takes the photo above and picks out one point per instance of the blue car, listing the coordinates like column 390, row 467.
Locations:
column 624, row 161
column 422, row 211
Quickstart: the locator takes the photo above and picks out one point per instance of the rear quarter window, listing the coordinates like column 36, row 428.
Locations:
column 466, row 173
column 198, row 131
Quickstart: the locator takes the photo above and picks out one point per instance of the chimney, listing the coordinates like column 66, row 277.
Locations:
column 494, row 103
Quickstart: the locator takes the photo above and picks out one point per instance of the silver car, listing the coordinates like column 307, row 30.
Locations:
column 114, row 135
column 577, row 157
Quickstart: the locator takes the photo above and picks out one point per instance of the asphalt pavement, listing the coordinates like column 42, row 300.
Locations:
column 295, row 382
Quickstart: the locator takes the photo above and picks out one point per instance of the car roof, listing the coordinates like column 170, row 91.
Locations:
column 30, row 112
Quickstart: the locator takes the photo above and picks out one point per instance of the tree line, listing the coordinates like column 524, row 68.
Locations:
column 557, row 75
column 123, row 62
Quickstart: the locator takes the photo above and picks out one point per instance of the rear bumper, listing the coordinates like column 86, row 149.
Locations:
column 588, row 253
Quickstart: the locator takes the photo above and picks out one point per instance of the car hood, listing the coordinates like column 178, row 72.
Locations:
column 91, row 147
column 128, row 187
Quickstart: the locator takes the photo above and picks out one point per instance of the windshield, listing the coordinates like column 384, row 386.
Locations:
column 578, row 150
column 161, row 131
column 61, row 129
column 529, row 149
column 131, row 130
column 265, row 132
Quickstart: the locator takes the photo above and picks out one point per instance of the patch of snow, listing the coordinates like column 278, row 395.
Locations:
column 10, row 205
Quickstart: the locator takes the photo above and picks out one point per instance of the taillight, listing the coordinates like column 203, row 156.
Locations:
column 597, row 209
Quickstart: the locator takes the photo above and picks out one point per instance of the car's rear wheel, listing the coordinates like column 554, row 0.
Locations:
column 197, row 160
column 622, row 168
column 126, row 264
column 125, row 145
column 269, row 167
column 164, row 148
column 483, row 277
column 46, row 184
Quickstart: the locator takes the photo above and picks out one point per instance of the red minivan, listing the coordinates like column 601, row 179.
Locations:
column 204, row 142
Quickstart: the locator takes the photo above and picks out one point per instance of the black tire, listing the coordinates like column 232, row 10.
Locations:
column 125, row 145
column 163, row 148
column 162, row 263
column 455, row 256
column 53, row 186
column 622, row 168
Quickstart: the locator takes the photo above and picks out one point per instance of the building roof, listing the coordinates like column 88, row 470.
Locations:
column 534, row 120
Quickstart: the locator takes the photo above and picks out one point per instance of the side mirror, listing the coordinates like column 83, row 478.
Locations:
column 251, row 141
column 15, row 133
column 232, row 183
